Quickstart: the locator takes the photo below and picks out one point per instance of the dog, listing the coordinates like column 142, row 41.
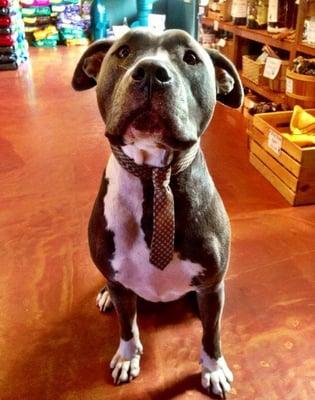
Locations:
column 156, row 94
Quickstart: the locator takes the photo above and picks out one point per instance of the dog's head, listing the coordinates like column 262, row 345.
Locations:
column 161, row 86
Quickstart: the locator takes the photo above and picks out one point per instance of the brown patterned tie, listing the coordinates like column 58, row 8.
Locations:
column 162, row 243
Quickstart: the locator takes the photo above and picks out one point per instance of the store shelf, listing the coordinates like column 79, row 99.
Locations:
column 227, row 26
column 260, row 36
column 242, row 36
column 306, row 49
column 264, row 91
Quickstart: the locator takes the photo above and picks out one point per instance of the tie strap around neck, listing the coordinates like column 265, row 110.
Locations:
column 145, row 171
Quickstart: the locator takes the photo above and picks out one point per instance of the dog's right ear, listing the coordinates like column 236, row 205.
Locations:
column 229, row 85
column 88, row 68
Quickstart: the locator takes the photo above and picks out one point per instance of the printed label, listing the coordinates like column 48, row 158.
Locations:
column 289, row 85
column 215, row 25
column 273, row 11
column 221, row 42
column 272, row 67
column 239, row 8
column 275, row 142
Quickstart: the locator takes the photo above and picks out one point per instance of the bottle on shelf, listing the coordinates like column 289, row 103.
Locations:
column 282, row 15
column 239, row 12
column 257, row 12
column 292, row 14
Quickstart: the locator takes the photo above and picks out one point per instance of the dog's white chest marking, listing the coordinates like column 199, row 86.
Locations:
column 123, row 212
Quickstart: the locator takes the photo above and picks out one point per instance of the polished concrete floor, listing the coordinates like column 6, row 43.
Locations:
column 54, row 344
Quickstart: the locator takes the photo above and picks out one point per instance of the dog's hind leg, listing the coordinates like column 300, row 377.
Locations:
column 103, row 300
column 126, row 362
column 215, row 375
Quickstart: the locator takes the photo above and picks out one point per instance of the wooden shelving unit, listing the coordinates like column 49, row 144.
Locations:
column 264, row 91
column 306, row 49
column 260, row 36
column 293, row 47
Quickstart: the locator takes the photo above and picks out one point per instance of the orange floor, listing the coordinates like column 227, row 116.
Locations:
column 54, row 344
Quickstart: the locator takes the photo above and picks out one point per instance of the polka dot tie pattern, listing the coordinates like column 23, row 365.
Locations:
column 162, row 244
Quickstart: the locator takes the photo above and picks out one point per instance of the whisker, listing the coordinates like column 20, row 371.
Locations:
column 121, row 66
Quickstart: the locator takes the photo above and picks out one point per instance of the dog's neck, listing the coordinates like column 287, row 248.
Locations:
column 147, row 152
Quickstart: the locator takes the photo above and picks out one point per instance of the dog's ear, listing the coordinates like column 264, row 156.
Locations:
column 229, row 86
column 88, row 68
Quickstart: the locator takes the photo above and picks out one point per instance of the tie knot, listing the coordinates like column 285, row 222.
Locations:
column 161, row 176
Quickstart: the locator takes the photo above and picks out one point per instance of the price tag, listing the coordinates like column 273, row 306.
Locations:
column 275, row 142
column 221, row 42
column 289, row 85
column 272, row 67
column 215, row 25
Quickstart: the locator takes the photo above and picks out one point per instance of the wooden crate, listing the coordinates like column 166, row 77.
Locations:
column 300, row 89
column 250, row 101
column 253, row 71
column 288, row 167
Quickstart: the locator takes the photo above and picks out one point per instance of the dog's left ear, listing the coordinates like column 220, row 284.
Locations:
column 89, row 65
column 229, row 86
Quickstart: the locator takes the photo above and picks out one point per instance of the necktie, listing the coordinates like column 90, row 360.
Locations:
column 162, row 243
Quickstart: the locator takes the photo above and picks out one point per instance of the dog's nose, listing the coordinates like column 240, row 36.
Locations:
column 153, row 71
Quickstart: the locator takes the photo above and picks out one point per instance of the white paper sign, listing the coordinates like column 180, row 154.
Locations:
column 215, row 25
column 275, row 142
column 221, row 42
column 272, row 67
column 289, row 85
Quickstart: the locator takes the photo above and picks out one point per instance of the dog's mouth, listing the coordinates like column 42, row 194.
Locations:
column 140, row 126
column 149, row 126
column 148, row 129
column 149, row 123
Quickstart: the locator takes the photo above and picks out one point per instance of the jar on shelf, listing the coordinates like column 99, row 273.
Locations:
column 239, row 12
column 257, row 12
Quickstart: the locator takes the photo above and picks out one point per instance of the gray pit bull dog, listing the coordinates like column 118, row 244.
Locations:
column 156, row 95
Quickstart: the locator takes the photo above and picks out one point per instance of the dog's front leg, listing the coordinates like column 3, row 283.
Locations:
column 215, row 375
column 126, row 361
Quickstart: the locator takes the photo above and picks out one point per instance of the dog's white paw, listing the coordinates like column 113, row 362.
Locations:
column 215, row 375
column 126, row 362
column 103, row 300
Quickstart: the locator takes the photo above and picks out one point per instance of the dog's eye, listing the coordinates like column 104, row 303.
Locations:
column 123, row 51
column 190, row 58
